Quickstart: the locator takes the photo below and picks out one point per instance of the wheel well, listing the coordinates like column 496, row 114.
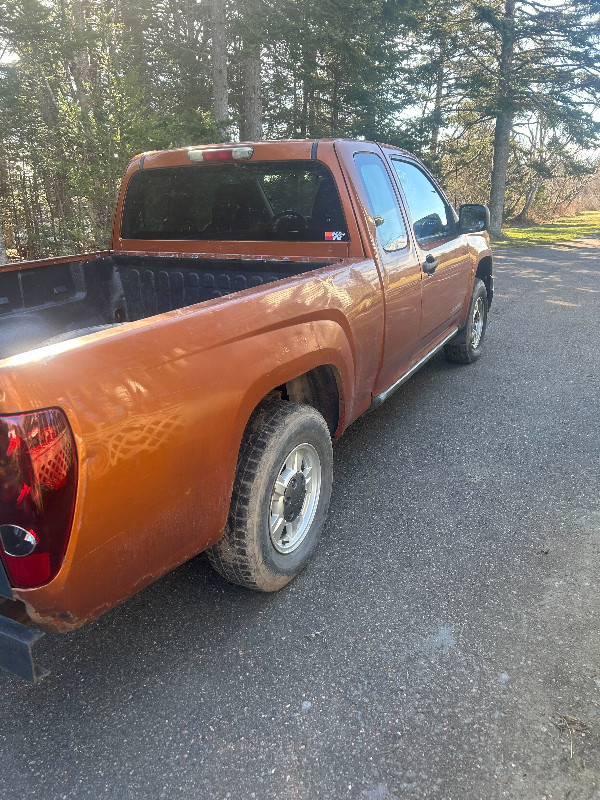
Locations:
column 319, row 389
column 484, row 273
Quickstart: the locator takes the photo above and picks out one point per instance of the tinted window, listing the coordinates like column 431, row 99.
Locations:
column 383, row 204
column 430, row 213
column 293, row 200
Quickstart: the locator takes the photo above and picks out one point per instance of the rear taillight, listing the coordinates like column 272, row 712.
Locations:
column 38, row 478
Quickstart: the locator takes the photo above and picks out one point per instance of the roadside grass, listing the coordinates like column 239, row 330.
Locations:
column 563, row 229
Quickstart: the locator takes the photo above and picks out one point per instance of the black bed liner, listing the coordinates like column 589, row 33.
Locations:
column 52, row 302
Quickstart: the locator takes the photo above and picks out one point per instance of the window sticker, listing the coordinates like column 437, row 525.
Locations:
column 334, row 236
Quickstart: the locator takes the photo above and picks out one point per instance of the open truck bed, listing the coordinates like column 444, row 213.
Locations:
column 49, row 301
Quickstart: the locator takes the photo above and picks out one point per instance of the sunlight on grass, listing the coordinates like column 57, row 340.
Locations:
column 561, row 230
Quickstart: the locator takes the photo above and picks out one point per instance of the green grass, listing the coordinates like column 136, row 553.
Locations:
column 561, row 230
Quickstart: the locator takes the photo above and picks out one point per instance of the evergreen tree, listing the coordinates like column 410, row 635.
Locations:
column 536, row 59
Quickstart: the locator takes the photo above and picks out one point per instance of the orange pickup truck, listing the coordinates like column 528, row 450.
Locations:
column 180, row 392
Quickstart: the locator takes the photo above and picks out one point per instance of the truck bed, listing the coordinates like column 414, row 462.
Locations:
column 49, row 302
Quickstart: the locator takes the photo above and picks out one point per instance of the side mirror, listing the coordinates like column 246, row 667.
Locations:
column 473, row 218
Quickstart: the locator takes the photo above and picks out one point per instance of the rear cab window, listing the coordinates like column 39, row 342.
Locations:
column 269, row 200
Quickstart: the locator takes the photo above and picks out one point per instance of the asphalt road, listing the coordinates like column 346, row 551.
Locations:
column 443, row 642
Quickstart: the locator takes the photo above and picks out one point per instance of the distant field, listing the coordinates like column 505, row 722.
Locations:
column 561, row 230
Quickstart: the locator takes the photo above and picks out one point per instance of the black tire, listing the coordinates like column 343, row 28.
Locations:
column 259, row 549
column 467, row 345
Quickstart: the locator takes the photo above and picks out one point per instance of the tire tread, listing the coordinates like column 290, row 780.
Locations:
column 459, row 350
column 233, row 555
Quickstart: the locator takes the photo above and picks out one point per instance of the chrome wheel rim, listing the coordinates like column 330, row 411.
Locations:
column 295, row 498
column 477, row 324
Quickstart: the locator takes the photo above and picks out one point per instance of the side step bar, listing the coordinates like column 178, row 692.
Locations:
column 378, row 400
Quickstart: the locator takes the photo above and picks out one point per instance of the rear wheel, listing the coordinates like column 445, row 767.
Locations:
column 467, row 345
column 280, row 497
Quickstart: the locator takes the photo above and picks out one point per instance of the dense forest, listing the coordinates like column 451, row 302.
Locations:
column 499, row 97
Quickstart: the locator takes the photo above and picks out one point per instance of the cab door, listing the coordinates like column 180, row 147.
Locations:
column 399, row 266
column 446, row 263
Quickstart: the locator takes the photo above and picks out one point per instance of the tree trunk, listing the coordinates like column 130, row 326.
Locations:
column 5, row 195
column 304, row 115
column 219, row 63
column 3, row 256
column 436, row 122
column 335, row 105
column 8, row 191
column 251, row 129
column 523, row 215
column 502, row 131
column 309, row 66
column 58, row 182
column 504, row 120
column 293, row 128
column 80, row 69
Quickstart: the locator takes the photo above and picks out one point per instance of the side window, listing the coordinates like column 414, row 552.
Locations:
column 430, row 213
column 383, row 203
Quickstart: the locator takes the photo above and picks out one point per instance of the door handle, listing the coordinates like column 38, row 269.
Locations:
column 430, row 265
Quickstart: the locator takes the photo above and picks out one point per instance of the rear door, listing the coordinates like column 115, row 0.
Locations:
column 442, row 251
column 399, row 265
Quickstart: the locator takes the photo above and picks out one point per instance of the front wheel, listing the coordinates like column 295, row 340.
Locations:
column 467, row 345
column 280, row 497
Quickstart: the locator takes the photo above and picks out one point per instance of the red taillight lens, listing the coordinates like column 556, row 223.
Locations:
column 220, row 154
column 38, row 478
column 217, row 155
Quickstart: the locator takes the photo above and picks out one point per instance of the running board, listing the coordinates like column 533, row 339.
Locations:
column 378, row 400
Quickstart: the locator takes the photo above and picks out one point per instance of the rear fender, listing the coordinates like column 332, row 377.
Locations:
column 145, row 429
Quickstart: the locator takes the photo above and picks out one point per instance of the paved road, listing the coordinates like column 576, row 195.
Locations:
column 446, row 626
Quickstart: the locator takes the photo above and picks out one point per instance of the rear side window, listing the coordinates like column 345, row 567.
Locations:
column 289, row 200
column 429, row 211
column 383, row 204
